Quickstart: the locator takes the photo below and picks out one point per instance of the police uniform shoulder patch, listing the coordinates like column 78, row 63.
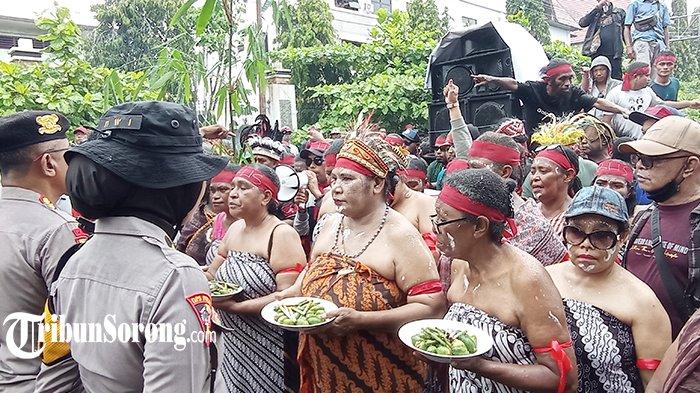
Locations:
column 202, row 306
column 49, row 124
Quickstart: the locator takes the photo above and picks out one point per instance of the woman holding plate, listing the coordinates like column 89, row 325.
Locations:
column 263, row 255
column 619, row 340
column 501, row 290
column 372, row 263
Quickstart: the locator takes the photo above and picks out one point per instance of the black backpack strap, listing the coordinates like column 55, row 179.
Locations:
column 214, row 364
column 637, row 225
column 673, row 287
column 59, row 268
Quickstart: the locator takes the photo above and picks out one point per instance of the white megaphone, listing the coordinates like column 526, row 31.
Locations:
column 290, row 182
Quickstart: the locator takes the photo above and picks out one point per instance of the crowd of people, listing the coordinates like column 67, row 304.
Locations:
column 569, row 237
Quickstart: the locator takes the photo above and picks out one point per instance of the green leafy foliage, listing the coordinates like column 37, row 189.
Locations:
column 65, row 81
column 562, row 51
column 688, row 65
column 306, row 23
column 131, row 33
column 385, row 76
column 689, row 91
column 531, row 15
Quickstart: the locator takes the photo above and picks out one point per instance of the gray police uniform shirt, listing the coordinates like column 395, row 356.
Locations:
column 33, row 236
column 129, row 273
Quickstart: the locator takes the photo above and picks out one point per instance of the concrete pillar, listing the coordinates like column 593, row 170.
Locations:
column 281, row 102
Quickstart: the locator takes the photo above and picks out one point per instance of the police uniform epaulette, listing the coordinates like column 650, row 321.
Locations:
column 78, row 234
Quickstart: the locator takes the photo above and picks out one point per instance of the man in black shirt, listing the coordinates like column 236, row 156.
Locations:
column 554, row 95
column 604, row 34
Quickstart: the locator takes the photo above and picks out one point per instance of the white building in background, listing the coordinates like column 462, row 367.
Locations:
column 18, row 31
column 353, row 19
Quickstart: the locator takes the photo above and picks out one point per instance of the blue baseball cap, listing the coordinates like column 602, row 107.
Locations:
column 410, row 135
column 601, row 201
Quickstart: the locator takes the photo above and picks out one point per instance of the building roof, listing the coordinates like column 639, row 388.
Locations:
column 568, row 13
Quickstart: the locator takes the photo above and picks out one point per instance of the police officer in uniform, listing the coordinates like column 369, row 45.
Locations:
column 33, row 233
column 138, row 180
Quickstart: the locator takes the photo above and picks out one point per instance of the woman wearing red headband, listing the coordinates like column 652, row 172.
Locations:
column 219, row 188
column 554, row 182
column 196, row 235
column 373, row 264
column 619, row 340
column 264, row 256
column 501, row 154
column 502, row 290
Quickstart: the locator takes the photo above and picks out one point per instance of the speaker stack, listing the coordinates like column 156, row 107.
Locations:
column 479, row 51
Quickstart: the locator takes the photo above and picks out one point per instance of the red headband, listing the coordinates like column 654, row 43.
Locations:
column 413, row 173
column 512, row 128
column 457, row 164
column 666, row 58
column 496, row 153
column 258, row 179
column 615, row 168
column 225, row 176
column 558, row 157
column 330, row 160
column 394, row 140
column 343, row 162
column 558, row 70
column 628, row 76
column 463, row 203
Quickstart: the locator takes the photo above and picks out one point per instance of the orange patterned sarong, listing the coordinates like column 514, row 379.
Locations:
column 363, row 361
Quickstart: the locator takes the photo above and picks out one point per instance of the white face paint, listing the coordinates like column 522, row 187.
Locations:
column 609, row 253
column 477, row 287
column 466, row 283
column 451, row 244
column 586, row 268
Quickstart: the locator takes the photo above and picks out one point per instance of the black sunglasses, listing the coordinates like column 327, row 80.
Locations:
column 316, row 160
column 648, row 161
column 602, row 240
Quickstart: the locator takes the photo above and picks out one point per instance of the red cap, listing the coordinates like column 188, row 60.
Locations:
column 616, row 168
column 443, row 140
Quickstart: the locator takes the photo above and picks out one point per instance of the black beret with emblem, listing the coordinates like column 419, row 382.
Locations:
column 31, row 127
column 152, row 144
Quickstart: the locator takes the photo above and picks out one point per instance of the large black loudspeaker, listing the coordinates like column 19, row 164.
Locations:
column 479, row 51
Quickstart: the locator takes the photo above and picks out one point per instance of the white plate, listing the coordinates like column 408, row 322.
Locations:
column 228, row 295
column 484, row 342
column 268, row 312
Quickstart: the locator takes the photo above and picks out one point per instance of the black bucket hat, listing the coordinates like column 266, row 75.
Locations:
column 151, row 144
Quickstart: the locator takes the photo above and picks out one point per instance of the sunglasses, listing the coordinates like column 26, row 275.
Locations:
column 601, row 240
column 437, row 224
column 648, row 161
column 318, row 161
column 51, row 151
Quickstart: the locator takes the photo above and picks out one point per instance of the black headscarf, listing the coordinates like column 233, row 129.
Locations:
column 96, row 192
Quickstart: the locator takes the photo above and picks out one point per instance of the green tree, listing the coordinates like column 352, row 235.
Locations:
column 306, row 23
column 131, row 33
column 425, row 15
column 65, row 81
column 688, row 65
column 533, row 13
column 385, row 76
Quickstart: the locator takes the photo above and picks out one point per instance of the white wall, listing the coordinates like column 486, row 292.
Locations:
column 481, row 10
column 560, row 34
